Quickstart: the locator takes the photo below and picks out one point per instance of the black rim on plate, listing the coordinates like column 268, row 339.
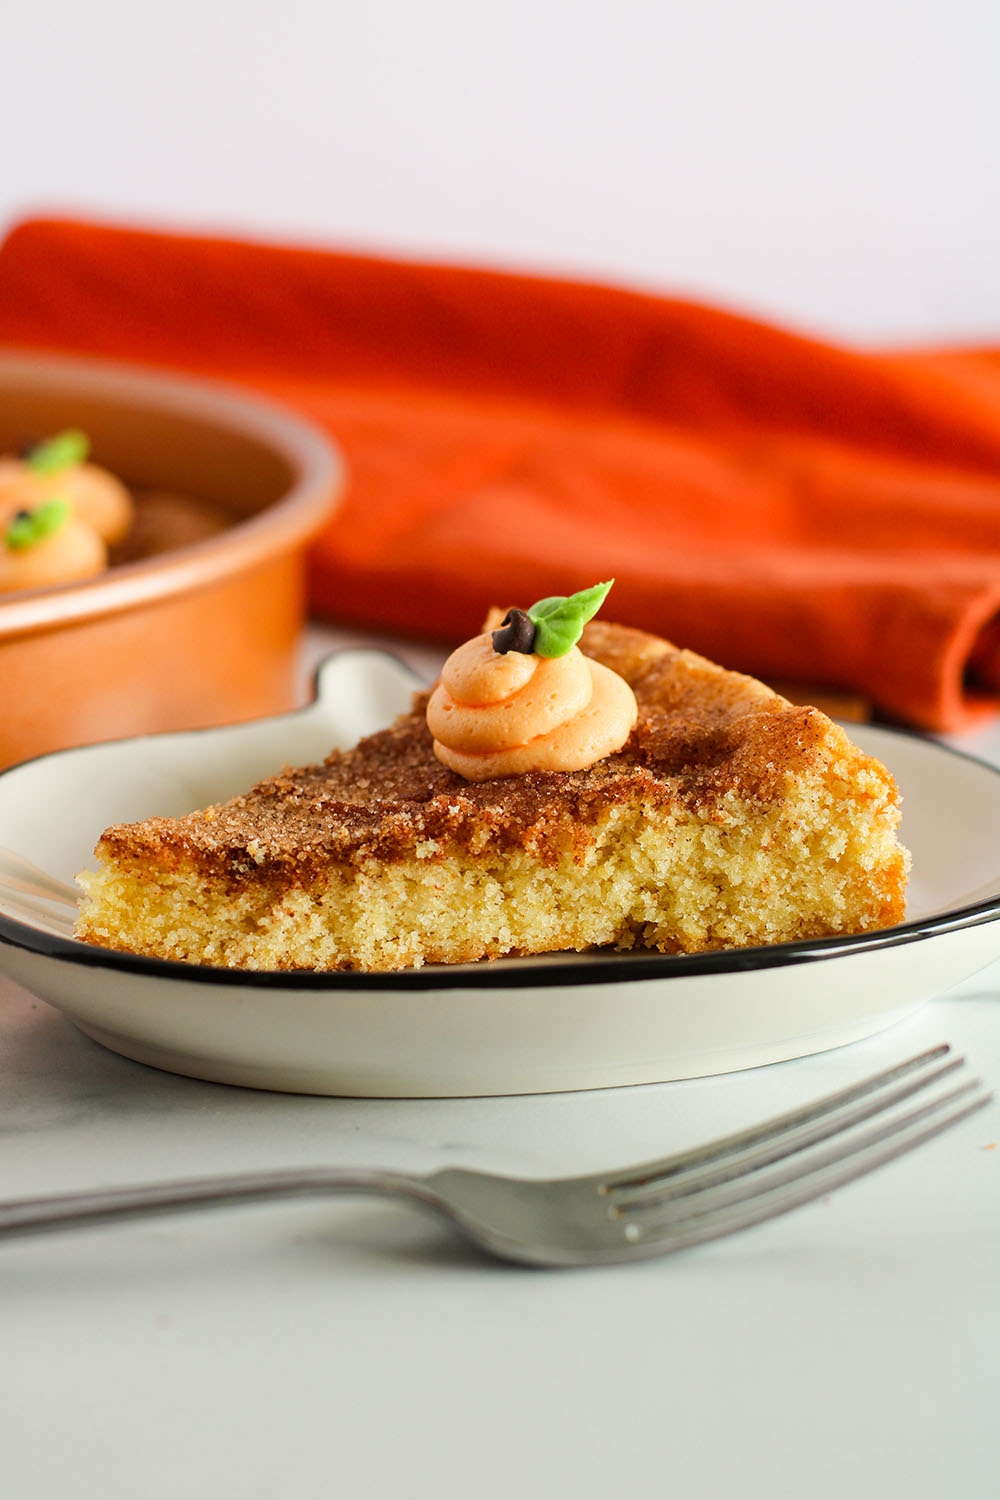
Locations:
column 541, row 971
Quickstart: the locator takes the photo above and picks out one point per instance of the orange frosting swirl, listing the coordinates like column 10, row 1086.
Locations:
column 494, row 715
column 97, row 497
column 73, row 552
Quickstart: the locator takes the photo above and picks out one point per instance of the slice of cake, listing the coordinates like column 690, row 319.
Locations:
column 726, row 817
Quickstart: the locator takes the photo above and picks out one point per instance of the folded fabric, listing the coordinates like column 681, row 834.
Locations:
column 790, row 508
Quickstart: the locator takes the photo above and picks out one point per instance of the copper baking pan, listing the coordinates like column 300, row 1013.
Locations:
column 205, row 633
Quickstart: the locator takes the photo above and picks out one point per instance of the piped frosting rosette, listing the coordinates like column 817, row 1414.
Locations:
column 500, row 713
column 58, row 467
column 58, row 514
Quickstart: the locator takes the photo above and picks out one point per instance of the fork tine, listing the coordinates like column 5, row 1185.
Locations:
column 696, row 1177
column 808, row 1171
column 765, row 1206
column 726, row 1146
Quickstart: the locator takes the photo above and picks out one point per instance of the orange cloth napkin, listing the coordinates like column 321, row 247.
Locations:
column 787, row 507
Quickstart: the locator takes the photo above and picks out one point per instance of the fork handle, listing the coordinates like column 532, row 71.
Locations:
column 72, row 1210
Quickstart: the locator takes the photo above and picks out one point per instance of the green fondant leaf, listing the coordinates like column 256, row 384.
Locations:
column 559, row 621
column 60, row 452
column 30, row 527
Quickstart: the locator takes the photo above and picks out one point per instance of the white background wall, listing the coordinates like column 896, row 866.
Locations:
column 835, row 166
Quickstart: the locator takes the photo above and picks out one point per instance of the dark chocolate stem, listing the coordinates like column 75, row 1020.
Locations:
column 516, row 633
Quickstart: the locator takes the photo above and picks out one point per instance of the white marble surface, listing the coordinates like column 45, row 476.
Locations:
column 356, row 1349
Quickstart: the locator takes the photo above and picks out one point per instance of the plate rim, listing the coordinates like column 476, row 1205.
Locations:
column 600, row 968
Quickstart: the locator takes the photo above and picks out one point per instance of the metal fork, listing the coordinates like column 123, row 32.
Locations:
column 628, row 1214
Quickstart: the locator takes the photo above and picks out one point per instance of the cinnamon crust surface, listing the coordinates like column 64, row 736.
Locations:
column 702, row 733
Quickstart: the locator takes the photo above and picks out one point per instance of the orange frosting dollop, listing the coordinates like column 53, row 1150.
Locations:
column 73, row 552
column 97, row 498
column 501, row 715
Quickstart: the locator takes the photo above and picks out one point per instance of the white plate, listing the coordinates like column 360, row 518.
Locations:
column 514, row 1026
